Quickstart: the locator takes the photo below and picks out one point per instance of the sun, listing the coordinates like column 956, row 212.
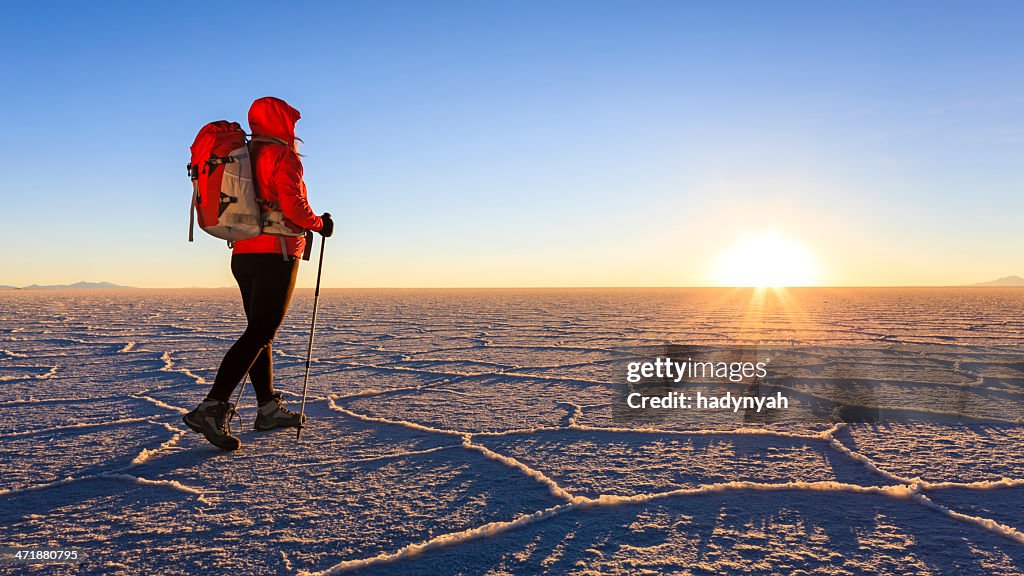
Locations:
column 766, row 260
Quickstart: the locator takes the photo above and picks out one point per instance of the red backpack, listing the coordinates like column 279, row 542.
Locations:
column 223, row 194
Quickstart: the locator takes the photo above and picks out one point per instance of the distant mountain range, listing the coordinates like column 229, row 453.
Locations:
column 1004, row 281
column 59, row 286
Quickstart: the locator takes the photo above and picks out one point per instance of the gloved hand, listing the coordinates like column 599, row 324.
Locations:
column 328, row 228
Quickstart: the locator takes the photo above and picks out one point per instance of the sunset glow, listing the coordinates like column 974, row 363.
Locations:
column 764, row 260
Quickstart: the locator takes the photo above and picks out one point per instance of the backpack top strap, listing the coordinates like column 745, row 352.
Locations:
column 267, row 139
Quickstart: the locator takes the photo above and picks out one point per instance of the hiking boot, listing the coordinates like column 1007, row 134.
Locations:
column 273, row 414
column 211, row 419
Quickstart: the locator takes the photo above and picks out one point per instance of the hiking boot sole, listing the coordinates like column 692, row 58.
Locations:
column 222, row 443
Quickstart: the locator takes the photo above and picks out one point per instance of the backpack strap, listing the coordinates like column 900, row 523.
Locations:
column 268, row 139
column 193, row 174
column 309, row 245
column 192, row 211
column 273, row 206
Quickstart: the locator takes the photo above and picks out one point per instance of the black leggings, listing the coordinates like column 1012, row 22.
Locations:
column 266, row 282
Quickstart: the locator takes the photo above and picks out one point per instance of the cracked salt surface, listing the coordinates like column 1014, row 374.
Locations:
column 473, row 432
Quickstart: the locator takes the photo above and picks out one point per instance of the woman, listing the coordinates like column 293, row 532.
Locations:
column 265, row 269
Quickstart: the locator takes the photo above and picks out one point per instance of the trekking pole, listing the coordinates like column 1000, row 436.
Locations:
column 309, row 350
column 238, row 397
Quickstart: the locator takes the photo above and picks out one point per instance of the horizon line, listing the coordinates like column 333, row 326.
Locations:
column 566, row 287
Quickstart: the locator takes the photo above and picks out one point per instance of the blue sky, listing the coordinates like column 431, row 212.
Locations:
column 528, row 143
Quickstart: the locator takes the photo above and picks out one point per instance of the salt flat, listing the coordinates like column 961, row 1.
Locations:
column 477, row 432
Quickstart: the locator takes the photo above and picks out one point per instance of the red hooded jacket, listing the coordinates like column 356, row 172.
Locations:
column 278, row 173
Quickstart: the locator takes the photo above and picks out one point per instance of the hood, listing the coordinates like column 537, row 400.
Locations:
column 269, row 116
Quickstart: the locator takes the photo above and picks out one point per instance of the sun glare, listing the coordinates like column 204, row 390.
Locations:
column 766, row 260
